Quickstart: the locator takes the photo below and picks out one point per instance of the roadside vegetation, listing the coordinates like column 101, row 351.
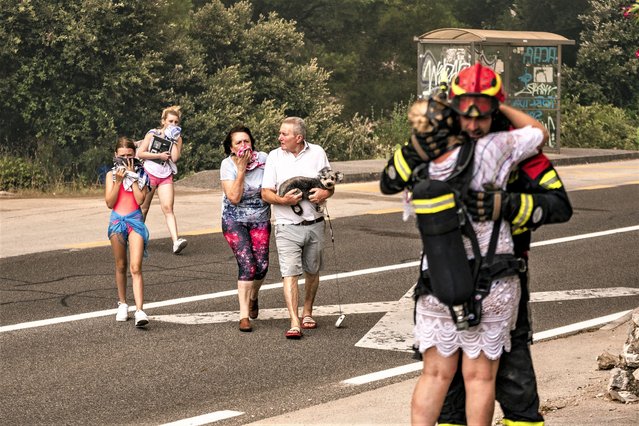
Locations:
column 78, row 74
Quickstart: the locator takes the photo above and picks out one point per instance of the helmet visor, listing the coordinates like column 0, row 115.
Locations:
column 474, row 106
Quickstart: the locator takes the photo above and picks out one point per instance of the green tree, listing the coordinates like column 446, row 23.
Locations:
column 484, row 14
column 73, row 74
column 366, row 44
column 606, row 70
column 257, row 75
column 550, row 16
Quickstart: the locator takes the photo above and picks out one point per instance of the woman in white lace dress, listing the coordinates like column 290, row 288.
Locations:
column 480, row 347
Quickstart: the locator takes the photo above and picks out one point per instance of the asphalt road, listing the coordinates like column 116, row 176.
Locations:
column 191, row 360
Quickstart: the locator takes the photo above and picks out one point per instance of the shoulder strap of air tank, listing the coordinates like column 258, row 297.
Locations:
column 460, row 181
column 463, row 172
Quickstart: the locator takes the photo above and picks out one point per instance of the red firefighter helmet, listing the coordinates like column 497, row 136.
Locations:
column 476, row 91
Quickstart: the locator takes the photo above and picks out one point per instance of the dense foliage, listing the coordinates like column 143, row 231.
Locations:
column 602, row 90
column 369, row 45
column 77, row 74
column 599, row 126
column 74, row 74
column 607, row 70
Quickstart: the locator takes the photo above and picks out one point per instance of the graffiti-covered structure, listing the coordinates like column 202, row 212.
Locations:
column 529, row 63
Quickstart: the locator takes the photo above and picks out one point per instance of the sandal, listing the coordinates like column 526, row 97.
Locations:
column 308, row 323
column 294, row 333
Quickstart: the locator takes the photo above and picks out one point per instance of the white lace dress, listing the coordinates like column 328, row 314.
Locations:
column 495, row 157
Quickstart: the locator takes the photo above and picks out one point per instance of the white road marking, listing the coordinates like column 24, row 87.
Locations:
column 384, row 374
column 584, row 236
column 586, row 293
column 537, row 337
column 394, row 331
column 171, row 302
column 206, row 418
column 275, row 313
column 577, row 327
column 198, row 298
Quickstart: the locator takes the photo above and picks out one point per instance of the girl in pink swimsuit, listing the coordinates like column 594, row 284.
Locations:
column 125, row 190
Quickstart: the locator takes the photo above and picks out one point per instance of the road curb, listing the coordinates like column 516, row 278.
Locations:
column 210, row 179
column 572, row 161
column 567, row 161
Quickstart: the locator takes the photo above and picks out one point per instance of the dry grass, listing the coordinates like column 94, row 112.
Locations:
column 58, row 190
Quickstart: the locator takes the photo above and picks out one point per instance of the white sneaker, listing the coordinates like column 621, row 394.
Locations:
column 179, row 245
column 123, row 312
column 141, row 319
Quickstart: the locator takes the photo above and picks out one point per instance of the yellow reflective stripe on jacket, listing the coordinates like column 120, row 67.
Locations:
column 550, row 180
column 525, row 211
column 401, row 165
column 519, row 231
column 434, row 205
column 507, row 422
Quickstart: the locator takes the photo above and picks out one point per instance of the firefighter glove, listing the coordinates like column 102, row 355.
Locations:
column 492, row 205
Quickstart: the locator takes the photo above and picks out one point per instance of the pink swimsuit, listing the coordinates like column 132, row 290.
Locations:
column 126, row 202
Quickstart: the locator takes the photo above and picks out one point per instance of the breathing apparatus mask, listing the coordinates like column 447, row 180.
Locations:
column 435, row 127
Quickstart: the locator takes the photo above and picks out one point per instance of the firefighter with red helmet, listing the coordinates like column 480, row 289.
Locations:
column 535, row 196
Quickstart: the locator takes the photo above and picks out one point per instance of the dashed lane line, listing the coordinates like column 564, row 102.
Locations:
column 206, row 418
column 585, row 236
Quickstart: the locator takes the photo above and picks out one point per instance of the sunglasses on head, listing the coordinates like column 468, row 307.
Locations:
column 475, row 105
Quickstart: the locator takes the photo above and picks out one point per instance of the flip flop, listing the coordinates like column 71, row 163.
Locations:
column 308, row 323
column 294, row 333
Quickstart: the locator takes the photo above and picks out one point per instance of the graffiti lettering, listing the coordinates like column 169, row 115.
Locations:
column 548, row 103
column 540, row 55
column 453, row 60
column 546, row 119
column 519, row 103
column 537, row 103
column 536, row 114
column 525, row 78
column 492, row 62
column 552, row 130
column 538, row 89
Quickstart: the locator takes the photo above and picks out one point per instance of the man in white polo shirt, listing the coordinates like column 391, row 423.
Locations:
column 299, row 238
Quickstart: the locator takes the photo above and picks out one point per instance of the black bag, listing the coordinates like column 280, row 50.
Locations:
column 158, row 145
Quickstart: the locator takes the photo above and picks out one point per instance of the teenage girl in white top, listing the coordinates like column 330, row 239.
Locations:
column 161, row 170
